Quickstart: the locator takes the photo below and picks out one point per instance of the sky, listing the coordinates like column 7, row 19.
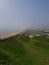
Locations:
column 23, row 14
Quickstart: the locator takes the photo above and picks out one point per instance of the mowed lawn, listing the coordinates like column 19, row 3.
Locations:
column 21, row 50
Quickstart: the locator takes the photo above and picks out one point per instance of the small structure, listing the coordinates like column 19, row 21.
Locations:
column 47, row 34
column 37, row 35
column 31, row 36
column 44, row 34
column 46, row 30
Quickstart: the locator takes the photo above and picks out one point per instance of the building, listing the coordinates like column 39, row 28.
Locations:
column 31, row 36
column 37, row 35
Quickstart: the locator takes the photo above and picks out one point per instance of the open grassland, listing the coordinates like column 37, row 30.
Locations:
column 21, row 50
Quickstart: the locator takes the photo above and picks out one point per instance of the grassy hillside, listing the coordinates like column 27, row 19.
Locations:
column 21, row 50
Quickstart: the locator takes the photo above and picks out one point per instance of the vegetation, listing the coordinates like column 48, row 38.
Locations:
column 21, row 50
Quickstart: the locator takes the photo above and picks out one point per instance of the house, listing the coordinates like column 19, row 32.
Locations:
column 47, row 34
column 37, row 35
column 46, row 30
column 31, row 36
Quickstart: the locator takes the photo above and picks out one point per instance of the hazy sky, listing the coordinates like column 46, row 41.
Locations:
column 22, row 14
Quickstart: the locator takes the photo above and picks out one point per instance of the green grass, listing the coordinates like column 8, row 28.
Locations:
column 21, row 50
column 5, row 59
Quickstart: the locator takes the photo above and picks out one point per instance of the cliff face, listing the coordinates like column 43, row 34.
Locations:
column 8, row 35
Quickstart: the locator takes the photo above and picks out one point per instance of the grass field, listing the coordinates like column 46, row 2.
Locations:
column 21, row 50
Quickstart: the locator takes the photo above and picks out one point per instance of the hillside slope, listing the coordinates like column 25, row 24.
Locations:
column 25, row 51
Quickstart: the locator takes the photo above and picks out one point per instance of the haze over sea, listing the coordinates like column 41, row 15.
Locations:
column 23, row 14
